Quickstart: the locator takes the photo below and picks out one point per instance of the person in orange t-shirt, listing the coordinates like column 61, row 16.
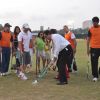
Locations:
column 6, row 39
column 72, row 39
column 93, row 46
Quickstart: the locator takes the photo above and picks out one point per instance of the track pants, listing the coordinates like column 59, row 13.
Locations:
column 5, row 59
column 95, row 53
column 63, row 59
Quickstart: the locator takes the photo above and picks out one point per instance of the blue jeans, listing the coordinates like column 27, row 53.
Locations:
column 5, row 59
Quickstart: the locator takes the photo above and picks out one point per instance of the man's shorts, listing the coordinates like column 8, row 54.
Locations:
column 23, row 58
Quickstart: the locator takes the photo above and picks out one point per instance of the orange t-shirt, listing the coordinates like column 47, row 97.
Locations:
column 95, row 37
column 6, row 38
column 68, row 37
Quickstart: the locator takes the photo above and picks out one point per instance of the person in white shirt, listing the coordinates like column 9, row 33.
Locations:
column 24, row 39
column 61, row 51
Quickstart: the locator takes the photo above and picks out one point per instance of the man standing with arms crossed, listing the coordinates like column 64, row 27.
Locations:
column 93, row 46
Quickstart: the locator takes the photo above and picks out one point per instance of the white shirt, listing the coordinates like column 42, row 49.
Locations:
column 26, row 39
column 59, row 43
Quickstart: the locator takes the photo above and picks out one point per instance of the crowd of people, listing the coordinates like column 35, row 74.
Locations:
column 49, row 46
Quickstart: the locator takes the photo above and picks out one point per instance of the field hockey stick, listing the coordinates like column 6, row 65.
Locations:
column 36, row 66
column 72, row 64
column 88, row 67
column 11, row 58
column 22, row 56
column 42, row 75
column 0, row 60
column 1, row 57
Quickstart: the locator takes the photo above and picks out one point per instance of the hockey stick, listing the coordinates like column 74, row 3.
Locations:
column 42, row 74
column 88, row 68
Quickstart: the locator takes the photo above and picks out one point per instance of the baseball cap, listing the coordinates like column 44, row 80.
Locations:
column 26, row 26
column 7, row 25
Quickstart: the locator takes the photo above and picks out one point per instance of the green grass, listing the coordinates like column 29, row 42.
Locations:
column 79, row 87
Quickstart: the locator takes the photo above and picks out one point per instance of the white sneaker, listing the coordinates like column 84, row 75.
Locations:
column 28, row 65
column 22, row 76
column 1, row 74
column 74, row 72
column 95, row 79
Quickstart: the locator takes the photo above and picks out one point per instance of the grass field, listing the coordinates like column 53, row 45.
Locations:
column 79, row 87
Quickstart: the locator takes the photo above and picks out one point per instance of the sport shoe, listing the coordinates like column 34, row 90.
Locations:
column 22, row 76
column 74, row 72
column 1, row 74
column 95, row 79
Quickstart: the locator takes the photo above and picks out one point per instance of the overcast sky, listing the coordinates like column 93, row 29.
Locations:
column 49, row 13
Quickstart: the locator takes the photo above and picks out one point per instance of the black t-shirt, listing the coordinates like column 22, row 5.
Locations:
column 15, row 41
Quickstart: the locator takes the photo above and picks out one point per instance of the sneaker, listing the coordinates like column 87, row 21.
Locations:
column 62, row 83
column 74, row 72
column 3, row 74
column 28, row 65
column 22, row 76
column 95, row 79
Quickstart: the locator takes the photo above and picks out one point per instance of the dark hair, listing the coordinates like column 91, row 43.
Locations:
column 15, row 33
column 65, row 26
column 53, row 31
column 40, row 33
column 95, row 19
column 46, row 32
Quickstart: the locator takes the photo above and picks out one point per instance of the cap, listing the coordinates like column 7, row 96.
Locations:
column 26, row 26
column 7, row 25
